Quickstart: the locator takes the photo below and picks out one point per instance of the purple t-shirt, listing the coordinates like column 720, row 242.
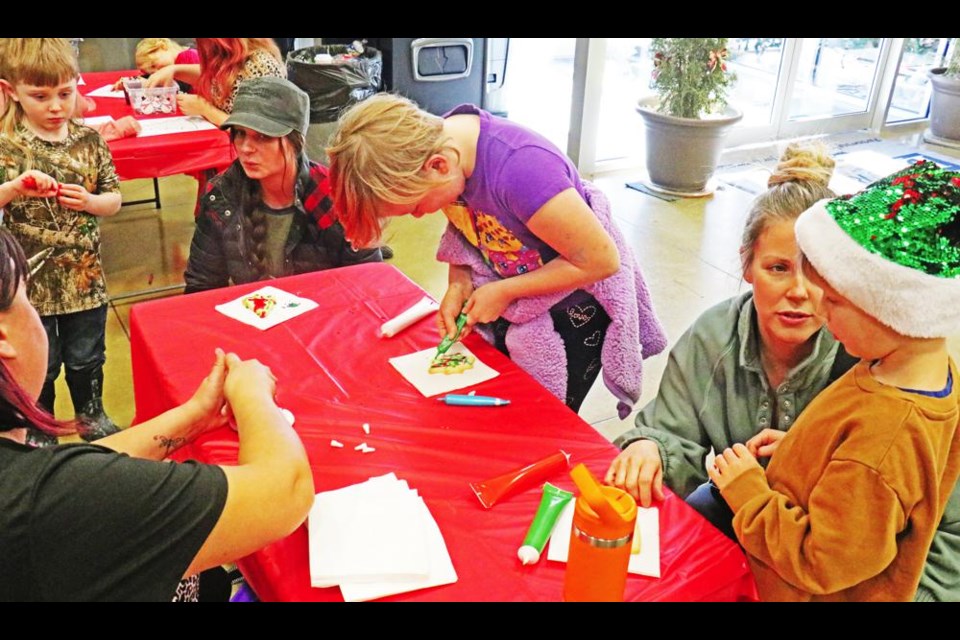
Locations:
column 516, row 172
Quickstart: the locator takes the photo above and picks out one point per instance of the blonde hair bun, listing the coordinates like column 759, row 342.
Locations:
column 804, row 162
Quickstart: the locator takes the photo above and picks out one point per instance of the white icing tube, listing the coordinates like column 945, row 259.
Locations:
column 422, row 309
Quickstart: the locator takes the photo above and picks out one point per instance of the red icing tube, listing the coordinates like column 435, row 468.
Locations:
column 495, row 489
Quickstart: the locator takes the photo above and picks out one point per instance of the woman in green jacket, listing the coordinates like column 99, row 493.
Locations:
column 748, row 366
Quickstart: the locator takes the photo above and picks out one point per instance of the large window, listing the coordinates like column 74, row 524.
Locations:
column 911, row 90
column 786, row 87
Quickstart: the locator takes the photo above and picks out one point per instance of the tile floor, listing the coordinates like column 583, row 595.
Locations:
column 687, row 250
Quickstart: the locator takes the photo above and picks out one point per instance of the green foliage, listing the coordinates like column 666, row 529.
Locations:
column 953, row 67
column 690, row 75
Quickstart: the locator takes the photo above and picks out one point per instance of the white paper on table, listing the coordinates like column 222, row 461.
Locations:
column 415, row 368
column 333, row 541
column 645, row 563
column 93, row 121
column 106, row 91
column 325, row 533
column 441, row 569
column 288, row 306
column 376, row 539
column 173, row 124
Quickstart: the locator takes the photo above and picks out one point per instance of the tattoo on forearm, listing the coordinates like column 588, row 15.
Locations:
column 169, row 444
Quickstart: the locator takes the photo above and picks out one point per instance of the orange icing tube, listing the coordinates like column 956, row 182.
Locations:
column 495, row 489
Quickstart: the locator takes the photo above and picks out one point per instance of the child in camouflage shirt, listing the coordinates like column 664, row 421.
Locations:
column 58, row 178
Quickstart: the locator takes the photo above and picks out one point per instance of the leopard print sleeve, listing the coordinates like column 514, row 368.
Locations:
column 260, row 64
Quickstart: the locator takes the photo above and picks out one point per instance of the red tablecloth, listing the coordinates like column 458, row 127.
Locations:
column 334, row 376
column 157, row 156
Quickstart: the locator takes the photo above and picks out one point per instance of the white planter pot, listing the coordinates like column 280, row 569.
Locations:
column 944, row 110
column 682, row 153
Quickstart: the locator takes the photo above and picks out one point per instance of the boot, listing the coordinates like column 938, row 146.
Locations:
column 86, row 390
column 37, row 438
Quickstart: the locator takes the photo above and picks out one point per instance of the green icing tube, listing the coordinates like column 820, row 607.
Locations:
column 552, row 502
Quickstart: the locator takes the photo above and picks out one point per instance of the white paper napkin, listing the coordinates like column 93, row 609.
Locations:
column 287, row 306
column 374, row 539
column 174, row 124
column 106, row 91
column 415, row 368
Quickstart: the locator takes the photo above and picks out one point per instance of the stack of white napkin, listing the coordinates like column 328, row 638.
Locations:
column 375, row 539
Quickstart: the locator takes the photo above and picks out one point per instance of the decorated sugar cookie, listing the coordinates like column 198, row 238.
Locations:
column 451, row 363
column 260, row 304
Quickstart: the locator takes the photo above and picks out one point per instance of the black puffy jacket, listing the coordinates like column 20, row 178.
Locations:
column 219, row 254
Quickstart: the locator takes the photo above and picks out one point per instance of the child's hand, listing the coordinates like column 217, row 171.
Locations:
column 638, row 470
column 487, row 303
column 765, row 443
column 35, row 184
column 74, row 196
column 162, row 77
column 731, row 464
column 191, row 105
column 450, row 308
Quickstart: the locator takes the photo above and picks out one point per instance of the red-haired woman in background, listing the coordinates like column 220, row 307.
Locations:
column 224, row 64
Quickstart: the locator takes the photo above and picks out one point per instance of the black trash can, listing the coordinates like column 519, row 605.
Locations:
column 334, row 86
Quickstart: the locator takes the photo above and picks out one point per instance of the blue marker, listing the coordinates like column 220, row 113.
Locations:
column 473, row 401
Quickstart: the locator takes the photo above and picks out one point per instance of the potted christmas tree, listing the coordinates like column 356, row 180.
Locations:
column 687, row 120
column 945, row 102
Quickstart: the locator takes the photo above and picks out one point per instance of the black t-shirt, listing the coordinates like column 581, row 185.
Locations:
column 79, row 522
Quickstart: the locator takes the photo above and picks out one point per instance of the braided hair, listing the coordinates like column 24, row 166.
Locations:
column 253, row 221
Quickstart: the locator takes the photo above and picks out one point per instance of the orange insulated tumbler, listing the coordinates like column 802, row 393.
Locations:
column 600, row 541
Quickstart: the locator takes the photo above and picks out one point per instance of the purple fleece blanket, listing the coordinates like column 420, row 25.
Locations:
column 634, row 332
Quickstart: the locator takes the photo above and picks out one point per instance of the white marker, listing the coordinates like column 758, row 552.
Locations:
column 337, row 444
column 366, row 428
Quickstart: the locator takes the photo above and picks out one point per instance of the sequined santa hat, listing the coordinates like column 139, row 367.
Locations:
column 893, row 249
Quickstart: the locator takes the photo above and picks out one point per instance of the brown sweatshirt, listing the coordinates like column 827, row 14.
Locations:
column 853, row 495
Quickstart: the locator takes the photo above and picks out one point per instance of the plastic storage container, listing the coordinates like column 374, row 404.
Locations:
column 152, row 101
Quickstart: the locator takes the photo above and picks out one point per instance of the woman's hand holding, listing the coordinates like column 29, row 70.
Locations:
column 248, row 379
column 191, row 105
column 638, row 470
column 208, row 404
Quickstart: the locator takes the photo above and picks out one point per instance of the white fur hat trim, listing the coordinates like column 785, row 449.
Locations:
column 909, row 301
